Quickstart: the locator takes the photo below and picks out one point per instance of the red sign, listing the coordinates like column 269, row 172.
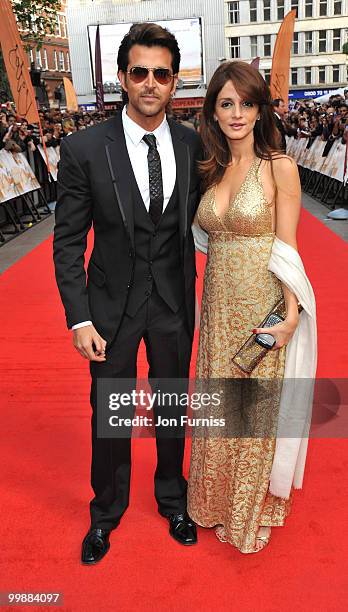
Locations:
column 188, row 102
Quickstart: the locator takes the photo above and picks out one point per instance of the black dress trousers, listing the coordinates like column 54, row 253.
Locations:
column 168, row 347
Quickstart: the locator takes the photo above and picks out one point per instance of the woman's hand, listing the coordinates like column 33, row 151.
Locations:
column 282, row 332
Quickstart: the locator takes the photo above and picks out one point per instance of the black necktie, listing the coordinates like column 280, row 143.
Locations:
column 155, row 178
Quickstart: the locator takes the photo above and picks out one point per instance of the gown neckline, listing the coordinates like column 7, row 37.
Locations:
column 232, row 201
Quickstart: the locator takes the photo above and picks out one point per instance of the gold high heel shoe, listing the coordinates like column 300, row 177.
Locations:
column 260, row 538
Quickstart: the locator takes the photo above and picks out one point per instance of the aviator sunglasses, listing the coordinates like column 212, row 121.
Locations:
column 140, row 73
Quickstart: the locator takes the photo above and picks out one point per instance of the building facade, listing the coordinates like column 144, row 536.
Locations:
column 321, row 28
column 84, row 13
column 51, row 63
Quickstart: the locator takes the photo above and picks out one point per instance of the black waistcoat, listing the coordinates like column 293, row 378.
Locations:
column 157, row 256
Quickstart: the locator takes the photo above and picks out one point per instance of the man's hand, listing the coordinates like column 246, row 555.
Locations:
column 89, row 343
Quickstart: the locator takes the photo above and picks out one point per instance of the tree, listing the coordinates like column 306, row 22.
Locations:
column 5, row 92
column 37, row 19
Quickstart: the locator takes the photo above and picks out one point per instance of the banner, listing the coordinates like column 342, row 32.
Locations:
column 53, row 155
column 332, row 165
column 279, row 84
column 99, row 89
column 16, row 176
column 70, row 94
column 256, row 63
column 16, row 64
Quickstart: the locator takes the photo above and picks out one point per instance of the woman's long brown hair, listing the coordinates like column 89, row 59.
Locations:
column 251, row 87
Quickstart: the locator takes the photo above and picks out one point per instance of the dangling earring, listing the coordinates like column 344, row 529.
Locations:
column 258, row 118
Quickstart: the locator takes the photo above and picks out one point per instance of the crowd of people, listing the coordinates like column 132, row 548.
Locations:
column 304, row 119
column 17, row 135
column 309, row 119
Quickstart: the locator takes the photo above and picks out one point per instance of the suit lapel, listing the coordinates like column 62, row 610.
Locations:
column 122, row 175
column 182, row 158
column 121, row 172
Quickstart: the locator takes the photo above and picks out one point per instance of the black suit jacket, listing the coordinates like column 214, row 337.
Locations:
column 281, row 129
column 94, row 180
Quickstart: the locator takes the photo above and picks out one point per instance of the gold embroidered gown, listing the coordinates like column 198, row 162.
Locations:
column 229, row 475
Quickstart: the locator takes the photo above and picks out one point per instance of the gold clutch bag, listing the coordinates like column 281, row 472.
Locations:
column 251, row 353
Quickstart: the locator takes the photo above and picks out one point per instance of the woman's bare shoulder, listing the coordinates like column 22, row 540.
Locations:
column 283, row 162
column 284, row 169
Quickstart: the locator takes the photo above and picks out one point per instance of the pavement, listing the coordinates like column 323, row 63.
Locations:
column 19, row 246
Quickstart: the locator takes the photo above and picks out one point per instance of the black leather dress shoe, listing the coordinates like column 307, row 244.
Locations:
column 95, row 546
column 182, row 528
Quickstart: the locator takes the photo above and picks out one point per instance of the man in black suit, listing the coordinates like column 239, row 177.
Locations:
column 134, row 177
column 279, row 110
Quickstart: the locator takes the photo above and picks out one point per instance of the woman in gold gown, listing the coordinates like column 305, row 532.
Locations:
column 252, row 193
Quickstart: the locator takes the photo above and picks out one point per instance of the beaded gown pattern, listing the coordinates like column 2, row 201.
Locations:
column 229, row 476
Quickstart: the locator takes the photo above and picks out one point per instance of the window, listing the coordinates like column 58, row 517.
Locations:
column 253, row 11
column 62, row 20
column 308, row 76
column 55, row 59
column 322, row 41
column 234, row 47
column 294, row 6
column 45, row 60
column 38, row 59
column 308, row 8
column 336, row 40
column 31, row 54
column 267, row 45
column 309, row 42
column 267, row 10
column 253, row 46
column 57, row 31
column 68, row 62
column 335, row 74
column 322, row 75
column 337, row 7
column 233, row 12
column 323, row 8
column 267, row 76
column 60, row 29
column 294, row 76
column 280, row 9
column 61, row 61
column 295, row 44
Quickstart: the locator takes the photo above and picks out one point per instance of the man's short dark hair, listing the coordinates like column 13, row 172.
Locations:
column 277, row 102
column 148, row 35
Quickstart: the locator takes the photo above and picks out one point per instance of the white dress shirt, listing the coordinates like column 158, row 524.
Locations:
column 137, row 151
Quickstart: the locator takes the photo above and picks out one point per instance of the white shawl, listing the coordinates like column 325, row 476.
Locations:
column 300, row 363
column 300, row 368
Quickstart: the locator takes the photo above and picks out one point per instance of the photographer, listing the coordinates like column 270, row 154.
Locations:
column 10, row 139
column 3, row 127
column 49, row 138
column 340, row 121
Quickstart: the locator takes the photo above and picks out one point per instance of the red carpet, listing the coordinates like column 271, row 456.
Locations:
column 45, row 474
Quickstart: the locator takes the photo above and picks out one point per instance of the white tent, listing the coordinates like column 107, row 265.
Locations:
column 336, row 92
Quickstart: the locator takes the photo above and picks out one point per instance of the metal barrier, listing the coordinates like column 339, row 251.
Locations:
column 22, row 212
column 322, row 168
